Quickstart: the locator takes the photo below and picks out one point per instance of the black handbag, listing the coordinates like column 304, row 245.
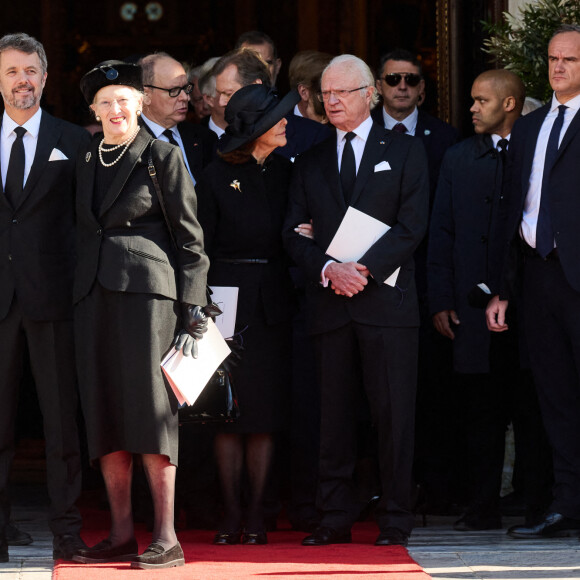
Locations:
column 217, row 403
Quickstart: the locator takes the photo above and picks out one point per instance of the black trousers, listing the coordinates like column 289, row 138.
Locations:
column 383, row 362
column 51, row 349
column 552, row 325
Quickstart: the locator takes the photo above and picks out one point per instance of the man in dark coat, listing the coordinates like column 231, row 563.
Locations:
column 544, row 262
column 365, row 331
column 164, row 114
column 465, row 258
column 402, row 87
column 38, row 154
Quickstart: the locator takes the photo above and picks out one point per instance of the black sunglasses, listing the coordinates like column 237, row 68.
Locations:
column 393, row 79
column 174, row 91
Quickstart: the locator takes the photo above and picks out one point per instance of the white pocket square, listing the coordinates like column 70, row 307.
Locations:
column 382, row 166
column 57, row 155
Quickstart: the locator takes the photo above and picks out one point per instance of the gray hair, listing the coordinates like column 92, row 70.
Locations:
column 566, row 28
column 199, row 71
column 24, row 43
column 147, row 63
column 357, row 67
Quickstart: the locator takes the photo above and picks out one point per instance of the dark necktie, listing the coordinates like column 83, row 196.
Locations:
column 544, row 231
column 400, row 128
column 15, row 174
column 169, row 134
column 348, row 168
column 502, row 147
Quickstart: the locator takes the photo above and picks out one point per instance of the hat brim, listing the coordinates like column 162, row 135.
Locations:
column 111, row 72
column 270, row 119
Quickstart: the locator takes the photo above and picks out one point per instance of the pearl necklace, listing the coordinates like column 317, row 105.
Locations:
column 124, row 144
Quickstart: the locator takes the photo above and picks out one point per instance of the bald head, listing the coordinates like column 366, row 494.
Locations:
column 506, row 84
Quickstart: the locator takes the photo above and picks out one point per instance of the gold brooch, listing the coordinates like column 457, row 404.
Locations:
column 236, row 185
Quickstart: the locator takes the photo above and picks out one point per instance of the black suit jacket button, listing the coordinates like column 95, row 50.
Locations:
column 10, row 257
column 99, row 232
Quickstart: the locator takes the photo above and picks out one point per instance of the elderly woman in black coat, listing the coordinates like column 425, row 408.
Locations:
column 133, row 293
column 242, row 204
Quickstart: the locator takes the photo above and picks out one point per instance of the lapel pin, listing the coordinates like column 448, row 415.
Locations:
column 382, row 143
column 427, row 132
column 88, row 157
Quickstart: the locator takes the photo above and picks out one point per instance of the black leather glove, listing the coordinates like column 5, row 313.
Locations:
column 194, row 320
column 195, row 324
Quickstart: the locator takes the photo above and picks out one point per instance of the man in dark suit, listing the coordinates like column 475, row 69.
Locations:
column 401, row 84
column 167, row 93
column 365, row 331
column 465, row 259
column 38, row 154
column 544, row 258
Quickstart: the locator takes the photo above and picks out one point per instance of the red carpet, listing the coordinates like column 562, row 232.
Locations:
column 283, row 557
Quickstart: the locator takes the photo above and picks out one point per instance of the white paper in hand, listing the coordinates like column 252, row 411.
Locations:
column 188, row 376
column 357, row 232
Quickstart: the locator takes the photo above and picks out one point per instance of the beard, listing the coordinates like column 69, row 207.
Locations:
column 22, row 102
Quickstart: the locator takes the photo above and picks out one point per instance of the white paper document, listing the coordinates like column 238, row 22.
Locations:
column 357, row 232
column 226, row 298
column 188, row 376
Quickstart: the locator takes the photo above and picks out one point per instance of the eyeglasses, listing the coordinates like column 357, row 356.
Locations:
column 174, row 91
column 393, row 79
column 339, row 94
column 106, row 105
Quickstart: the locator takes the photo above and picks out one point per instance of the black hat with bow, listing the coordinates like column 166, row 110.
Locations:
column 252, row 111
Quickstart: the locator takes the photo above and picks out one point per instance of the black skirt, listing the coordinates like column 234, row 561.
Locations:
column 121, row 338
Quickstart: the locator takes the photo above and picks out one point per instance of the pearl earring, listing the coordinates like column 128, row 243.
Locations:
column 138, row 113
column 98, row 119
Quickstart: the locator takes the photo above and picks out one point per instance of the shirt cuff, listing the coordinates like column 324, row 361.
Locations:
column 323, row 279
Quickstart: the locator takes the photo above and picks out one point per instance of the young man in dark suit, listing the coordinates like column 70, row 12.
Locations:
column 365, row 331
column 38, row 155
column 543, row 265
column 167, row 94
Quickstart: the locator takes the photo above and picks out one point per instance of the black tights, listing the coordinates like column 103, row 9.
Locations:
column 231, row 450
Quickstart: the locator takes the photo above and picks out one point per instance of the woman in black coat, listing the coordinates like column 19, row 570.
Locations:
column 133, row 291
column 242, row 205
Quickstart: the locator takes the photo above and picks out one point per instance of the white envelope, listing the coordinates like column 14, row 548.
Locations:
column 57, row 155
column 382, row 166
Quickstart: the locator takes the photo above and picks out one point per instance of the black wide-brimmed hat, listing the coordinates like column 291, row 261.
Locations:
column 111, row 72
column 252, row 111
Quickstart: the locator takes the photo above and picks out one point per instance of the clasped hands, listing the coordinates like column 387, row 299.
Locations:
column 195, row 321
column 347, row 279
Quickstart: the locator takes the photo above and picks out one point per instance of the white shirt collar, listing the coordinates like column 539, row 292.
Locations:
column 297, row 111
column 361, row 131
column 496, row 139
column 573, row 104
column 217, row 130
column 410, row 121
column 157, row 129
column 32, row 126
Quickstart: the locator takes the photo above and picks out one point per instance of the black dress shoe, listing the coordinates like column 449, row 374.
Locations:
column 324, row 536
column 65, row 546
column 254, row 538
column 3, row 549
column 105, row 552
column 553, row 526
column 16, row 537
column 156, row 556
column 392, row 537
column 227, row 538
column 477, row 522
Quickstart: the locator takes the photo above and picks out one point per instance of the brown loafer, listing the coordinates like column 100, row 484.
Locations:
column 155, row 556
column 104, row 552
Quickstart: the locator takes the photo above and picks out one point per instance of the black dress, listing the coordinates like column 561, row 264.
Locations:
column 241, row 210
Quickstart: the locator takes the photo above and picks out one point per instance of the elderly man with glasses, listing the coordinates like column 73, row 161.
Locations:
column 365, row 331
column 165, row 106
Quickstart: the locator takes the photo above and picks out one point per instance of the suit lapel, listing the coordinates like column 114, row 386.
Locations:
column 375, row 147
column 530, row 147
column 329, row 164
column 48, row 136
column 126, row 166
column 86, row 179
column 573, row 128
column 191, row 148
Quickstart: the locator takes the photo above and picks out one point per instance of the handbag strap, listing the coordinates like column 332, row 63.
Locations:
column 153, row 175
